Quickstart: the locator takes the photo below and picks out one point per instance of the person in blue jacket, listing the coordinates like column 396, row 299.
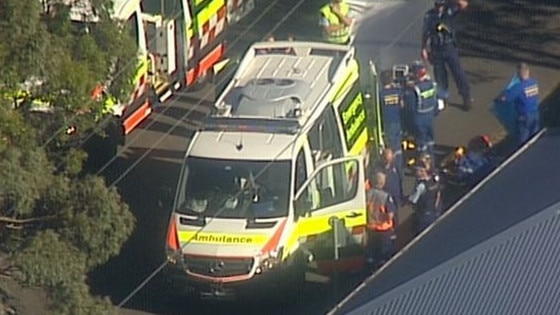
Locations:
column 425, row 103
column 468, row 163
column 390, row 97
column 525, row 96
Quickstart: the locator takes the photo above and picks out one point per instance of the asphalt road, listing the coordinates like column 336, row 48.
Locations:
column 389, row 35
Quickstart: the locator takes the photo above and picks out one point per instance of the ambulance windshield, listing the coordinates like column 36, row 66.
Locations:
column 241, row 189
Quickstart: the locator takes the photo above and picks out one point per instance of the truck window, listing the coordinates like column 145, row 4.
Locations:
column 332, row 185
column 353, row 116
column 301, row 171
column 324, row 138
column 132, row 27
column 169, row 8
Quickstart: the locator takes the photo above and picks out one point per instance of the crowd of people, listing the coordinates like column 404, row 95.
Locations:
column 411, row 107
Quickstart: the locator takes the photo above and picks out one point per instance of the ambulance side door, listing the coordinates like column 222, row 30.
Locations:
column 335, row 189
column 373, row 105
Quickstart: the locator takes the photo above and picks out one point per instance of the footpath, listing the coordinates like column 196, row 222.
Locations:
column 494, row 35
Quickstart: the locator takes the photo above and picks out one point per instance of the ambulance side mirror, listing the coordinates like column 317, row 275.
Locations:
column 302, row 207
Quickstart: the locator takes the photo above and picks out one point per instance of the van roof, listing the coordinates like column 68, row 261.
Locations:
column 284, row 81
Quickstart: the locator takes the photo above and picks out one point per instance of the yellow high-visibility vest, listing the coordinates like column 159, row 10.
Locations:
column 341, row 36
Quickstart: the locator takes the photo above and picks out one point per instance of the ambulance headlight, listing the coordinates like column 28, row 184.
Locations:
column 270, row 260
column 174, row 257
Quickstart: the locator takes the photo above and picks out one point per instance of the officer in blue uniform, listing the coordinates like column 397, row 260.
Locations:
column 425, row 103
column 438, row 35
column 425, row 198
column 391, row 106
column 393, row 179
column 525, row 96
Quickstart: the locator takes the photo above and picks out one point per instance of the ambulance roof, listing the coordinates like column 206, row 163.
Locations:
column 242, row 145
column 284, row 80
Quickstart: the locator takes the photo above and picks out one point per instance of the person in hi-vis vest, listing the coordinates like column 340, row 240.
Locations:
column 336, row 22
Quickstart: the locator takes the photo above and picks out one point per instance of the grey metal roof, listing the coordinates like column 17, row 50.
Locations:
column 515, row 272
column 495, row 252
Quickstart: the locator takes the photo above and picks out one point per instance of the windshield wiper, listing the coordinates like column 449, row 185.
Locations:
column 199, row 221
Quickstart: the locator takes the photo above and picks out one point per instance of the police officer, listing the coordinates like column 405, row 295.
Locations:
column 438, row 35
column 426, row 199
column 525, row 96
column 381, row 232
column 336, row 22
column 393, row 179
column 424, row 102
column 392, row 107
column 426, row 161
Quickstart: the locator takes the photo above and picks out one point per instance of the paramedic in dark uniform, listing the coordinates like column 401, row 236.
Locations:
column 525, row 96
column 393, row 179
column 390, row 97
column 425, row 199
column 439, row 46
column 424, row 103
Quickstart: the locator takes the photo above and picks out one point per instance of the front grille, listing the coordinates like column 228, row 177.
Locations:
column 219, row 267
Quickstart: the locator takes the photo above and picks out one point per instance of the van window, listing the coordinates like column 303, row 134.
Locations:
column 239, row 189
column 324, row 137
column 132, row 25
column 301, row 171
column 333, row 184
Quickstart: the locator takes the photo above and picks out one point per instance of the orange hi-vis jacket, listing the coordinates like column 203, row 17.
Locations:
column 379, row 218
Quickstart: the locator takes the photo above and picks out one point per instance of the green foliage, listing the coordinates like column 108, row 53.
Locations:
column 24, row 39
column 50, row 261
column 74, row 160
column 24, row 168
column 57, row 223
column 69, row 58
column 96, row 221
column 76, row 300
column 24, row 177
column 14, row 130
column 70, row 223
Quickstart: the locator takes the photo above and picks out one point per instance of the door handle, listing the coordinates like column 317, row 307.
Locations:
column 354, row 215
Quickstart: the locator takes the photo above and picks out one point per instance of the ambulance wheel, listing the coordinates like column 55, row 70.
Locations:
column 293, row 283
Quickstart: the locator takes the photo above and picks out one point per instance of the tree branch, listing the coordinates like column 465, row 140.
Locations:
column 9, row 220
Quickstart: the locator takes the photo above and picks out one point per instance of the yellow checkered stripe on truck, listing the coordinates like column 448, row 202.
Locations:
column 210, row 20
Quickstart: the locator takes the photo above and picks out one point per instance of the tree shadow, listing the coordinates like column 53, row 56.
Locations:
column 141, row 190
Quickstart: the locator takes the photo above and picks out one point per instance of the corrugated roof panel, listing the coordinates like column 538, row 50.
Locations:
column 515, row 272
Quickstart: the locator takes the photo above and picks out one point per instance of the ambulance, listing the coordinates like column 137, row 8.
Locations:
column 283, row 157
column 180, row 43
